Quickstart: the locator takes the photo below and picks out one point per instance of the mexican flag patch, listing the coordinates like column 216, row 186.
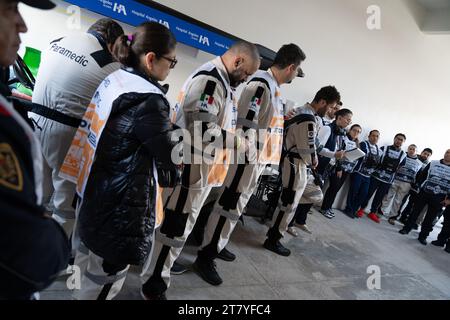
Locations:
column 205, row 101
column 255, row 104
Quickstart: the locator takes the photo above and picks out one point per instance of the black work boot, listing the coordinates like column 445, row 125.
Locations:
column 148, row 296
column 405, row 230
column 423, row 241
column 447, row 248
column 226, row 255
column 277, row 247
column 206, row 269
column 438, row 243
column 403, row 219
column 178, row 269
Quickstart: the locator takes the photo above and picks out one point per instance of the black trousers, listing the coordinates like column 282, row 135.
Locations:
column 434, row 208
column 407, row 211
column 336, row 184
column 444, row 236
column 301, row 214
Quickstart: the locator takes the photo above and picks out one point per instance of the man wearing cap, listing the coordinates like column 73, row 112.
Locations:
column 34, row 248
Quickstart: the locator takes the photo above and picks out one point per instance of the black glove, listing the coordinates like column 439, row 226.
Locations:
column 318, row 179
column 168, row 175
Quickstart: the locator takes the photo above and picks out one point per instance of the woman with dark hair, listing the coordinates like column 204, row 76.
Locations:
column 130, row 131
column 343, row 168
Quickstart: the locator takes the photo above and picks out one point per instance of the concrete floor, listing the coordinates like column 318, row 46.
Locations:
column 330, row 264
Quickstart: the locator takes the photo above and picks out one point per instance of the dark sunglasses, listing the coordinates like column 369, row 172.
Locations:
column 173, row 62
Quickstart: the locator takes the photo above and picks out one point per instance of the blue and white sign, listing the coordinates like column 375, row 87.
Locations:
column 134, row 13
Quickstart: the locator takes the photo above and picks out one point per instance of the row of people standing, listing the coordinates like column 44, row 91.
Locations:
column 105, row 129
column 388, row 174
column 126, row 130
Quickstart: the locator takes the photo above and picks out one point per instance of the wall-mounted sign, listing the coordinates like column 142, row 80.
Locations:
column 186, row 29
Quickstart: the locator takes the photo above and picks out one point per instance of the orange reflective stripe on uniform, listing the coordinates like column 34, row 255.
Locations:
column 79, row 159
column 159, row 207
column 206, row 105
column 272, row 140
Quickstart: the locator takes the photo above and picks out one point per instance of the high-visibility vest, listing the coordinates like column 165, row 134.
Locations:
column 78, row 162
column 408, row 172
column 438, row 180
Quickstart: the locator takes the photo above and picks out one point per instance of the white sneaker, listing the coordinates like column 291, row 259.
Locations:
column 292, row 231
column 303, row 227
column 328, row 214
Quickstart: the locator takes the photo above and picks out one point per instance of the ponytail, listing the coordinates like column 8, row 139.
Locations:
column 148, row 37
column 123, row 52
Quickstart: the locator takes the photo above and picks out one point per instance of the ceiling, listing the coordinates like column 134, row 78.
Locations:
column 432, row 16
column 434, row 4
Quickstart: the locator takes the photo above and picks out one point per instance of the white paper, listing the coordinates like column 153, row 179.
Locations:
column 354, row 154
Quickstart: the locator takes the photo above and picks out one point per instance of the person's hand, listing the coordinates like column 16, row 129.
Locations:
column 291, row 114
column 315, row 163
column 339, row 174
column 339, row 155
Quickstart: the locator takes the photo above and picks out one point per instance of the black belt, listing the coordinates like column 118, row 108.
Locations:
column 294, row 155
column 55, row 115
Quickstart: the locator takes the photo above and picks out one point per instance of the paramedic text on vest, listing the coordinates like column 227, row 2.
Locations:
column 60, row 99
column 393, row 157
column 260, row 112
column 405, row 176
column 434, row 183
column 299, row 151
column 117, row 159
column 207, row 98
column 34, row 248
column 360, row 178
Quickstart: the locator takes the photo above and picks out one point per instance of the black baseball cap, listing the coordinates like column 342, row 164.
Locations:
column 40, row 4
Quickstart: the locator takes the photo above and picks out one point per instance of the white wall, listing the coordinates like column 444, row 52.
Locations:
column 396, row 79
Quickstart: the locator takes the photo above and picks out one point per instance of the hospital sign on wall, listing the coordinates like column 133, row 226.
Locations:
column 187, row 30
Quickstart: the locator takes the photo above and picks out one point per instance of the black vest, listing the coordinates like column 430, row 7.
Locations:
column 330, row 145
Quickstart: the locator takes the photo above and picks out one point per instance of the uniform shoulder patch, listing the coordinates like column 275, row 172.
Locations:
column 10, row 172
column 207, row 97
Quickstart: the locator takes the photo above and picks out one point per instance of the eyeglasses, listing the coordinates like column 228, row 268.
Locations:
column 173, row 61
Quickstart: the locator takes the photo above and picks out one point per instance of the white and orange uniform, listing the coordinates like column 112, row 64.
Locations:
column 300, row 151
column 260, row 109
column 71, row 70
column 206, row 105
